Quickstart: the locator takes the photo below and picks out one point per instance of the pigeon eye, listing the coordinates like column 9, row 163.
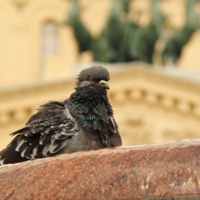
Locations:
column 90, row 79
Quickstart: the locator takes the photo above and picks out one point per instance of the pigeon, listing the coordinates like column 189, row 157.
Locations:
column 84, row 121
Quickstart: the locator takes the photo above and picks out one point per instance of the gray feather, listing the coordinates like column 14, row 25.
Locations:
column 20, row 146
column 45, row 151
column 37, row 150
column 60, row 136
column 26, row 151
column 57, row 146
column 44, row 139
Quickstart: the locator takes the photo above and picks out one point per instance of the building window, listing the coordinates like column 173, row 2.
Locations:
column 49, row 38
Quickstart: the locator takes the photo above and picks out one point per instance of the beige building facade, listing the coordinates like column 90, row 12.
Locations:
column 35, row 44
column 38, row 59
column 150, row 106
column 24, row 26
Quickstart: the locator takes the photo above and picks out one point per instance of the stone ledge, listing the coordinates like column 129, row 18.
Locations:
column 147, row 171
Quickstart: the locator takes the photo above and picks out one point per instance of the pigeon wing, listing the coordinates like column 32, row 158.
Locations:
column 46, row 133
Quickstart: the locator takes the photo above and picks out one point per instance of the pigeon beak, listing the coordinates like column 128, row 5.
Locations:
column 104, row 84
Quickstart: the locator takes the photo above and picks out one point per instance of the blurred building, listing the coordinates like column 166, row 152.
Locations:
column 38, row 63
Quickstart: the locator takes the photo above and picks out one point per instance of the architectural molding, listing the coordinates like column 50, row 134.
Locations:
column 150, row 96
column 151, row 106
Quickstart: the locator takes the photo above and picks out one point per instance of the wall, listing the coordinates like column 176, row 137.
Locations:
column 149, row 106
column 29, row 78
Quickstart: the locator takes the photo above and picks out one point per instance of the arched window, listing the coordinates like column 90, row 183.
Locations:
column 49, row 38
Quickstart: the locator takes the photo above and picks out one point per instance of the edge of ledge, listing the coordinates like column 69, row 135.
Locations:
column 137, row 172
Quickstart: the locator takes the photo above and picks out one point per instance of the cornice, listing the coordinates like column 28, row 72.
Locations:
column 148, row 86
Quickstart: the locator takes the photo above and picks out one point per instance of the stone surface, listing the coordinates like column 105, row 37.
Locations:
column 148, row 171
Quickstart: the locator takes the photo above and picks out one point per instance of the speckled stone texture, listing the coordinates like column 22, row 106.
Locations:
column 149, row 171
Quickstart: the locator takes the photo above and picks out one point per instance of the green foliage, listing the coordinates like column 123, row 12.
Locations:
column 123, row 40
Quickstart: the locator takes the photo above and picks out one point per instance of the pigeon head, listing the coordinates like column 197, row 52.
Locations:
column 95, row 76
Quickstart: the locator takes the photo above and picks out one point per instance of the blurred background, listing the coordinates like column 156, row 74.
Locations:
column 151, row 48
